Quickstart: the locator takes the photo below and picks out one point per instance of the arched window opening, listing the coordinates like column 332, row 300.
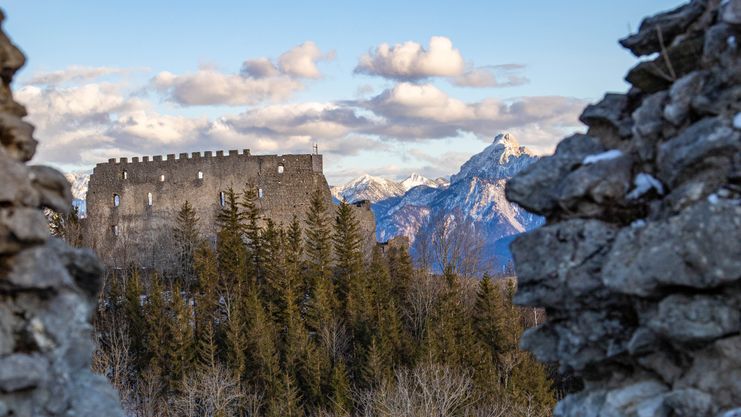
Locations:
column 280, row 168
column 200, row 175
column 116, row 200
column 125, row 175
column 114, row 230
column 259, row 193
column 149, row 199
column 162, row 178
column 222, row 199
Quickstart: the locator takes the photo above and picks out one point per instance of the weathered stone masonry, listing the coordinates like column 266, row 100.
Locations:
column 47, row 289
column 132, row 204
column 639, row 263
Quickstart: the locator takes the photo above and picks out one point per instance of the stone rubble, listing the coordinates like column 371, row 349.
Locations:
column 639, row 262
column 47, row 289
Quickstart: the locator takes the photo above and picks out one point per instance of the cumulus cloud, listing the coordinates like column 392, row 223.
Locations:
column 211, row 87
column 411, row 61
column 415, row 112
column 259, row 80
column 506, row 75
column 301, row 60
column 259, row 68
column 87, row 124
column 80, row 123
column 76, row 73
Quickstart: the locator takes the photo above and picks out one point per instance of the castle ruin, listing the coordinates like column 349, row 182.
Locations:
column 132, row 204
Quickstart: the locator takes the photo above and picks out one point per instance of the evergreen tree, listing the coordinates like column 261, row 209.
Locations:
column 348, row 258
column 321, row 301
column 451, row 333
column 181, row 349
column 206, row 305
column 262, row 354
column 318, row 238
column 489, row 316
column 401, row 270
column 237, row 340
column 252, row 232
column 158, row 335
column 274, row 270
column 187, row 239
column 340, row 395
column 287, row 400
column 135, row 318
column 232, row 254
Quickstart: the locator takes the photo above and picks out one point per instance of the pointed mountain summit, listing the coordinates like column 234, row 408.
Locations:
column 502, row 159
column 475, row 194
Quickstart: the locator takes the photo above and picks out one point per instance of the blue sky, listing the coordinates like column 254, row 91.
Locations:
column 138, row 77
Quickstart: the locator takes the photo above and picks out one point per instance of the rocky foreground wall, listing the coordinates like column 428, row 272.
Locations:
column 47, row 289
column 639, row 263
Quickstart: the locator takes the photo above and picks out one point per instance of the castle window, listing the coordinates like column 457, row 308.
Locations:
column 116, row 200
column 222, row 199
column 200, row 175
column 259, row 193
column 149, row 199
column 114, row 230
column 280, row 168
column 125, row 175
column 162, row 178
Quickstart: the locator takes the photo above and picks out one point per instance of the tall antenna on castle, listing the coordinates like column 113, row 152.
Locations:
column 316, row 148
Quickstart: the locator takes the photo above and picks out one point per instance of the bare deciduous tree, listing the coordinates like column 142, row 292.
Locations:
column 451, row 241
column 214, row 391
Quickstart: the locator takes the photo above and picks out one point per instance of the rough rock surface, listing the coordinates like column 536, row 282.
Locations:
column 47, row 289
column 639, row 263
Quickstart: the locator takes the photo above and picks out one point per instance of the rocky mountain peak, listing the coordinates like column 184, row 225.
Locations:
column 502, row 159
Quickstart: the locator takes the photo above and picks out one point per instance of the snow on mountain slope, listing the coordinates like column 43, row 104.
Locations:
column 415, row 180
column 476, row 192
column 79, row 182
column 502, row 159
column 369, row 188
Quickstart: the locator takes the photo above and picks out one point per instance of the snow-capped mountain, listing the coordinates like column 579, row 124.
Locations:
column 369, row 188
column 377, row 189
column 79, row 183
column 475, row 195
column 415, row 180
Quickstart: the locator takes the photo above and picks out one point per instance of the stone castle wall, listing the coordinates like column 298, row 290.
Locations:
column 639, row 262
column 149, row 194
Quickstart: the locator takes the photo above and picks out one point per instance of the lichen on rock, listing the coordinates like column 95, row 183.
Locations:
column 639, row 262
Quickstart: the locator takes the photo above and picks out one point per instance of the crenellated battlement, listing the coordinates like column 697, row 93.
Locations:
column 184, row 156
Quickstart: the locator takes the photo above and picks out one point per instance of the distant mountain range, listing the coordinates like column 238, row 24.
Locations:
column 474, row 195
column 375, row 189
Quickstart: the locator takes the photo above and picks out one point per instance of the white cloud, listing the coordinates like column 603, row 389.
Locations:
column 301, row 60
column 80, row 125
column 211, row 87
column 259, row 80
column 411, row 61
column 490, row 76
column 76, row 73
column 418, row 112
column 259, row 68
